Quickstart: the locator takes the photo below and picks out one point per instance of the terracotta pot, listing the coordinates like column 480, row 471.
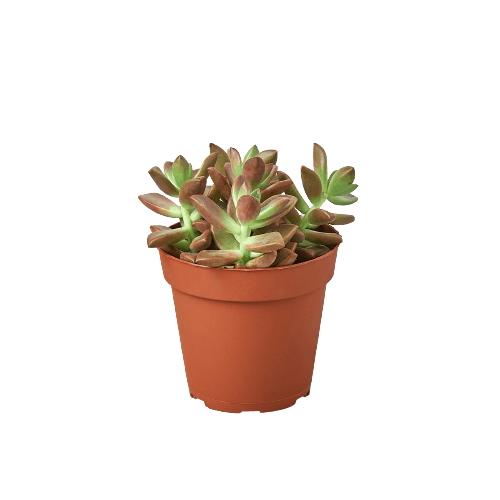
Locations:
column 249, row 336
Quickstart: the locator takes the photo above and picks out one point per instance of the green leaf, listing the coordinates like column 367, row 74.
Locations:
column 161, row 205
column 222, row 157
column 190, row 188
column 253, row 170
column 212, row 213
column 269, row 175
column 263, row 261
column 312, row 186
column 224, row 240
column 181, row 171
column 247, row 209
column 235, row 160
column 253, row 151
column 347, row 199
column 256, row 193
column 269, row 156
column 162, row 182
column 340, row 181
column 319, row 216
column 241, row 187
column 218, row 258
column 276, row 188
column 264, row 243
column 209, row 162
column 220, row 183
column 342, row 219
column 201, row 242
column 322, row 238
column 319, row 162
column 161, row 238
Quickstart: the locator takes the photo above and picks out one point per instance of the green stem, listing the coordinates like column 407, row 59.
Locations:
column 244, row 234
column 186, row 218
column 305, row 220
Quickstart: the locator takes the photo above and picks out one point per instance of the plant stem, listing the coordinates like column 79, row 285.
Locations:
column 186, row 218
column 305, row 220
column 244, row 234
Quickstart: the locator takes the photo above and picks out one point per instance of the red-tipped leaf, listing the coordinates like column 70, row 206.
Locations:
column 214, row 214
column 161, row 205
column 247, row 209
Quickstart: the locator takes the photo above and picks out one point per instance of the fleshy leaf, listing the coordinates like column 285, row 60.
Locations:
column 181, row 171
column 298, row 237
column 209, row 162
column 293, row 217
column 161, row 238
column 266, row 229
column 253, row 151
column 278, row 207
column 241, row 187
column 247, row 209
column 201, row 225
column 191, row 187
column 218, row 258
column 161, row 205
column 269, row 175
column 320, row 167
column 304, row 254
column 312, row 186
column 285, row 257
column 322, row 238
column 291, row 245
column 162, row 182
column 269, row 156
column 171, row 250
column 189, row 257
column 231, row 209
column 319, row 216
column 224, row 240
column 167, row 169
column 342, row 219
column 263, row 261
column 231, row 176
column 287, row 231
column 222, row 157
column 319, row 249
column 235, row 160
column 214, row 194
column 256, row 193
column 220, row 182
column 253, row 170
column 347, row 199
column 340, row 181
column 214, row 214
column 276, row 188
column 157, row 227
column 264, row 243
column 201, row 242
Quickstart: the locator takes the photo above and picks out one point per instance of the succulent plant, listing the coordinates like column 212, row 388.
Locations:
column 251, row 216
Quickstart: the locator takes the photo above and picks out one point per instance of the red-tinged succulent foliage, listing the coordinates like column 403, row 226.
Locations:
column 252, row 216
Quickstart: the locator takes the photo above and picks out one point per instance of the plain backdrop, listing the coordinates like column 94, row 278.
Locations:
column 404, row 403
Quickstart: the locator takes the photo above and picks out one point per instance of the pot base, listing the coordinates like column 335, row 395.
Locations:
column 239, row 407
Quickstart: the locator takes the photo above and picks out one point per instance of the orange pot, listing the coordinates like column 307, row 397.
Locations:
column 249, row 336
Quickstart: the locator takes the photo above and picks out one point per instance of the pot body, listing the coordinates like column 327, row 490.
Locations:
column 249, row 336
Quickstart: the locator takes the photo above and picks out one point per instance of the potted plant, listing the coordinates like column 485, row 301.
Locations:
column 248, row 264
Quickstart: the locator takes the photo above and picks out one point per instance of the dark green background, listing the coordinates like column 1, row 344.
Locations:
column 404, row 401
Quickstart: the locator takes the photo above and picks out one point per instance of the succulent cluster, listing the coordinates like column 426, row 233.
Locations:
column 252, row 216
